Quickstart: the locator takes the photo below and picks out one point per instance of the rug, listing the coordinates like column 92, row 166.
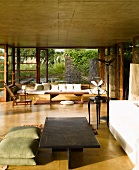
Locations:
column 43, row 102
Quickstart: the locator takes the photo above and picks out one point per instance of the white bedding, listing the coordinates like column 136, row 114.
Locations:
column 124, row 125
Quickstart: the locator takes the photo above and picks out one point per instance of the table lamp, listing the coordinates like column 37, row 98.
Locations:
column 24, row 88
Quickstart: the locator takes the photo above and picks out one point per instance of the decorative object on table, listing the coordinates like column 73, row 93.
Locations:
column 97, row 82
column 67, row 102
column 3, row 167
column 24, row 88
column 107, row 64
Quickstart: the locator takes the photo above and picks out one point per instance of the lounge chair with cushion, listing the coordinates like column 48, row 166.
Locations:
column 14, row 98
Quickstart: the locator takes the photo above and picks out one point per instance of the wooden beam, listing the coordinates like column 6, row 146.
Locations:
column 13, row 65
column 121, row 69
column 46, row 65
column 6, row 62
column 18, row 64
column 38, row 64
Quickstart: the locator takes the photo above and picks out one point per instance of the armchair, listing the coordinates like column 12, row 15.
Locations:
column 15, row 100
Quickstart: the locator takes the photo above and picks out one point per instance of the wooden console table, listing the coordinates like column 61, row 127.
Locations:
column 54, row 94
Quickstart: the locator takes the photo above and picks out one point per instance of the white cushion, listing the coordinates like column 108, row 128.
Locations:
column 77, row 87
column 46, row 86
column 38, row 87
column 54, row 87
column 66, row 102
column 62, row 87
column 69, row 87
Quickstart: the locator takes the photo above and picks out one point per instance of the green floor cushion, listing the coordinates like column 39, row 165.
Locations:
column 18, row 148
column 25, row 132
column 12, row 161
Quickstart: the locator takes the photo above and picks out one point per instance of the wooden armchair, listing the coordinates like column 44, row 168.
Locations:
column 18, row 101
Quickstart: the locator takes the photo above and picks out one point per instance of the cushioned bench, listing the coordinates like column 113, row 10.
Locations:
column 54, row 90
column 20, row 146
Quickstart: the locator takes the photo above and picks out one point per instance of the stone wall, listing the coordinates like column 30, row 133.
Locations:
column 93, row 69
column 74, row 75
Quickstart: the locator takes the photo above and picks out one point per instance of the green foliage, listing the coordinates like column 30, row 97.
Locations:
column 56, row 60
column 56, row 69
column 27, row 52
column 56, row 64
column 27, row 73
column 81, row 58
column 31, row 52
column 51, row 53
column 1, row 52
column 1, row 69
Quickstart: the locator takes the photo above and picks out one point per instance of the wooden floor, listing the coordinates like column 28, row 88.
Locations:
column 109, row 157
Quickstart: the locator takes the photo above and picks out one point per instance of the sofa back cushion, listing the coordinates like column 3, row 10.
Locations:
column 46, row 86
column 62, row 87
column 54, row 87
column 77, row 87
column 69, row 87
column 38, row 87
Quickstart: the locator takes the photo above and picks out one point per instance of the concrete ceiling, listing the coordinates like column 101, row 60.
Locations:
column 68, row 23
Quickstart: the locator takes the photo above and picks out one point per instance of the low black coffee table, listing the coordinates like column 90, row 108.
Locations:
column 68, row 133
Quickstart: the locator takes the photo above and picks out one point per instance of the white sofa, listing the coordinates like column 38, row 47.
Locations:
column 53, row 90
column 47, row 87
column 124, row 125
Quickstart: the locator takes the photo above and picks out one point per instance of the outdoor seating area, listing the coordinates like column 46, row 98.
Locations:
column 54, row 90
column 49, row 91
